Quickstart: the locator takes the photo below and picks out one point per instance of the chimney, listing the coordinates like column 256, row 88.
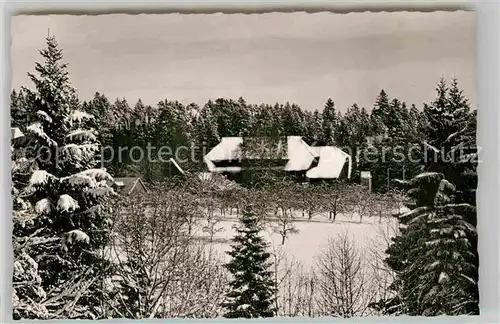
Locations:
column 366, row 180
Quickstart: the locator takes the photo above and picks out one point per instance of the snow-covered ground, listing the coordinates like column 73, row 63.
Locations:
column 313, row 235
column 371, row 235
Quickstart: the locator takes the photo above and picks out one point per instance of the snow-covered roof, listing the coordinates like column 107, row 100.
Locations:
column 330, row 164
column 228, row 149
column 299, row 155
column 315, row 150
column 128, row 184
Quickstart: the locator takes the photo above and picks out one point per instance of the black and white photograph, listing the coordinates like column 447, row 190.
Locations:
column 230, row 165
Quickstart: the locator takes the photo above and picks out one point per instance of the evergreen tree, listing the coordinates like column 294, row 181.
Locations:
column 268, row 121
column 417, row 125
column 435, row 256
column 432, row 256
column 65, row 188
column 329, row 123
column 342, row 134
column 16, row 110
column 315, row 128
column 451, row 140
column 397, row 118
column 294, row 123
column 205, row 128
column 380, row 113
column 21, row 108
column 252, row 289
column 232, row 117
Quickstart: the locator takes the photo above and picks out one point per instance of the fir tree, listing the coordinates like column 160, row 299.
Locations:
column 64, row 187
column 20, row 108
column 16, row 110
column 435, row 256
column 432, row 257
column 252, row 290
column 380, row 113
column 293, row 120
column 396, row 121
column 329, row 123
column 417, row 124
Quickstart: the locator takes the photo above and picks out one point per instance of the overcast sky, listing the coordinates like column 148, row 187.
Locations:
column 276, row 57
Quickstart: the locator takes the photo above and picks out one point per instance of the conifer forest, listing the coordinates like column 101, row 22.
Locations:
column 199, row 244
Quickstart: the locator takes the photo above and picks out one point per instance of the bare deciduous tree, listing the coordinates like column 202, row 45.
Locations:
column 383, row 275
column 212, row 226
column 308, row 199
column 282, row 200
column 295, row 286
column 160, row 271
column 345, row 283
column 336, row 198
column 360, row 202
column 284, row 226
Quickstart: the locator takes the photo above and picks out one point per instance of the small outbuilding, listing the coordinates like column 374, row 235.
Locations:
column 129, row 185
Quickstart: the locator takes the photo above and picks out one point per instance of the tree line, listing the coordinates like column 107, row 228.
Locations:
column 391, row 123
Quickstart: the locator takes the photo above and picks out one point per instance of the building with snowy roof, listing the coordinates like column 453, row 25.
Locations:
column 128, row 185
column 290, row 154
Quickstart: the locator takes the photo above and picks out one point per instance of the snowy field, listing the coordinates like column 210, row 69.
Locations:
column 313, row 235
column 370, row 236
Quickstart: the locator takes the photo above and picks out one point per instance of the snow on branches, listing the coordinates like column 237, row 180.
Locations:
column 66, row 203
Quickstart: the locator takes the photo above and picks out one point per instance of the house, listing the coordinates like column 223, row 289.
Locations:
column 290, row 154
column 129, row 185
